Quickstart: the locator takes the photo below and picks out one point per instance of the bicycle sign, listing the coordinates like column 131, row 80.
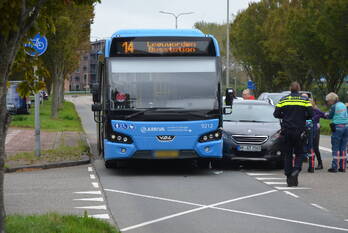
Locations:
column 38, row 46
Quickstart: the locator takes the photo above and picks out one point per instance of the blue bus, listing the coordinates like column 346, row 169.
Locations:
column 157, row 96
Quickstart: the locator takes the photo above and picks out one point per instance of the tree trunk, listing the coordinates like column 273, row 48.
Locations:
column 55, row 96
column 61, row 93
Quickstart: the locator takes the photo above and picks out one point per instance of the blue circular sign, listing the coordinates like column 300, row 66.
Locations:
column 38, row 44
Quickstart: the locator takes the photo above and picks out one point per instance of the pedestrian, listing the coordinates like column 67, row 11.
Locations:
column 316, row 131
column 293, row 110
column 247, row 96
column 339, row 127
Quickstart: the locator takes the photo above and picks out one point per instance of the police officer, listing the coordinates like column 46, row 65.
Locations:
column 294, row 110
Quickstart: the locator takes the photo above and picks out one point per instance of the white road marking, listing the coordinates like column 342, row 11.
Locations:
column 11, row 135
column 92, row 176
column 260, row 174
column 218, row 172
column 90, row 169
column 98, row 207
column 89, row 192
column 100, row 216
column 319, row 207
column 325, row 149
column 272, row 183
column 282, row 219
column 194, row 210
column 90, row 199
column 346, row 220
column 269, row 178
column 291, row 194
column 292, row 188
column 95, row 184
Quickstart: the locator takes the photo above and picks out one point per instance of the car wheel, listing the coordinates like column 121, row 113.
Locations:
column 217, row 164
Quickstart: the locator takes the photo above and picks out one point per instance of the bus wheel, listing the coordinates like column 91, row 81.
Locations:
column 111, row 164
column 203, row 164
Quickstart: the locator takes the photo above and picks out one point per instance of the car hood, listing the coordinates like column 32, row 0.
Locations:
column 251, row 128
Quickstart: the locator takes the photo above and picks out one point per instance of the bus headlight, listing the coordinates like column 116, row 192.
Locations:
column 211, row 136
column 120, row 138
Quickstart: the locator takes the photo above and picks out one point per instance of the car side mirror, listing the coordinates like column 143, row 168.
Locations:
column 96, row 107
column 230, row 96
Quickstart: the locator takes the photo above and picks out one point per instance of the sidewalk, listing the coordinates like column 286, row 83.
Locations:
column 23, row 140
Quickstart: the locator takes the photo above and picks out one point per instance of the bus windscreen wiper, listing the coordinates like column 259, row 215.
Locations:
column 147, row 110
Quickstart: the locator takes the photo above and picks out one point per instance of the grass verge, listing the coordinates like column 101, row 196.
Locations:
column 325, row 127
column 55, row 223
column 68, row 119
column 62, row 153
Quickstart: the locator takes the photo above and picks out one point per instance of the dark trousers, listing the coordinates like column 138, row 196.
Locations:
column 292, row 144
column 316, row 145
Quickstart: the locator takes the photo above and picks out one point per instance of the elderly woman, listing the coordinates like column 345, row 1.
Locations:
column 339, row 116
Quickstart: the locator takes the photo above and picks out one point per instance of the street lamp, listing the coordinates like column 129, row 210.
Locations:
column 176, row 16
column 228, row 47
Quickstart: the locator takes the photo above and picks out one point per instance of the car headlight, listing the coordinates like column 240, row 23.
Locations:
column 211, row 136
column 120, row 138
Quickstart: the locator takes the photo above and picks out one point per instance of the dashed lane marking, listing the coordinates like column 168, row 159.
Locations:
column 269, row 178
column 89, row 192
column 273, row 183
column 291, row 194
column 98, row 207
column 292, row 188
column 92, row 176
column 194, row 210
column 319, row 207
column 100, row 216
column 90, row 199
column 260, row 174
column 95, row 184
column 90, row 169
column 346, row 220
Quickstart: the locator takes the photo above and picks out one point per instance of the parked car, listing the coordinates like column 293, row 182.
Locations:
column 16, row 104
column 251, row 133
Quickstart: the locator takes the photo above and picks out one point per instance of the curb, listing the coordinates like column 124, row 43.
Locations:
column 85, row 160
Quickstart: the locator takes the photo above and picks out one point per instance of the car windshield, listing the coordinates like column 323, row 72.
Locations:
column 169, row 83
column 251, row 113
column 275, row 98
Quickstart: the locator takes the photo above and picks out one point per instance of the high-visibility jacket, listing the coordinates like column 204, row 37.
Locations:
column 294, row 110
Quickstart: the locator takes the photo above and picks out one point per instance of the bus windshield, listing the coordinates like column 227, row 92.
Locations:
column 169, row 83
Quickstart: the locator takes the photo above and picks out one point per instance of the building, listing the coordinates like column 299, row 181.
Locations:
column 86, row 73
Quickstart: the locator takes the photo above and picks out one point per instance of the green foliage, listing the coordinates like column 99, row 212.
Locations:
column 279, row 41
column 68, row 119
column 55, row 223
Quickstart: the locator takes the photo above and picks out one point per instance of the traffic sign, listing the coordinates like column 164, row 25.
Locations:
column 38, row 46
column 251, row 85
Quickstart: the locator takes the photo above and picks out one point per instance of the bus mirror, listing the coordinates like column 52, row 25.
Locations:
column 95, row 92
column 96, row 107
column 230, row 96
column 227, row 111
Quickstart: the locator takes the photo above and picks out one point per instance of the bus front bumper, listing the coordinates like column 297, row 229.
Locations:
column 212, row 149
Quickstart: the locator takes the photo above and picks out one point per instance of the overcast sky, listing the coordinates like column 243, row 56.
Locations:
column 112, row 15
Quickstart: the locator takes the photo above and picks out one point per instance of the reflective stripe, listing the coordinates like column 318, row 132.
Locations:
column 294, row 103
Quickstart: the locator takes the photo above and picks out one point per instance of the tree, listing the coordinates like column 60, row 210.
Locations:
column 19, row 20
column 70, row 38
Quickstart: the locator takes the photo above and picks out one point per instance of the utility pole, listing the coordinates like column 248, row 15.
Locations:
column 228, row 46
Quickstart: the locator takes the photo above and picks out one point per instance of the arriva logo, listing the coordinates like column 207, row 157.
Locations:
column 152, row 129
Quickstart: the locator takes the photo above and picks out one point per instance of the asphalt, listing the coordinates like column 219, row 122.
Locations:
column 164, row 197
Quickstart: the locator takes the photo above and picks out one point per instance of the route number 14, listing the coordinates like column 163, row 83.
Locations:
column 128, row 47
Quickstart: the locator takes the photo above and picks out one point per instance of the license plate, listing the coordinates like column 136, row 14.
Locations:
column 167, row 154
column 249, row 148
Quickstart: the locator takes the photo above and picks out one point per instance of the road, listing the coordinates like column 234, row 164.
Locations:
column 151, row 197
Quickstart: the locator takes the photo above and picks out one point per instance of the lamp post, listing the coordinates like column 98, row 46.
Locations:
column 228, row 45
column 176, row 16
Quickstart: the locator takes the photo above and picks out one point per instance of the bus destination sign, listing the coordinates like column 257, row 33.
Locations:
column 162, row 46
